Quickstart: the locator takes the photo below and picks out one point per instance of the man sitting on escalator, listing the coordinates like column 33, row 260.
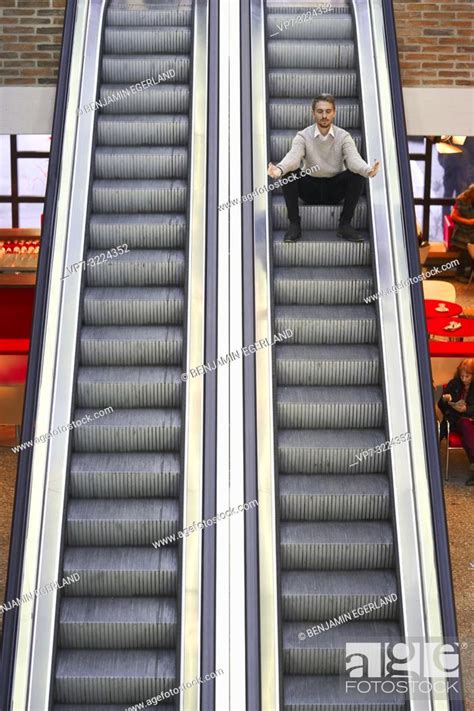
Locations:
column 341, row 170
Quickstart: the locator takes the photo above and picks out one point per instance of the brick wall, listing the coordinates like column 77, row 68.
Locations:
column 434, row 42
column 30, row 43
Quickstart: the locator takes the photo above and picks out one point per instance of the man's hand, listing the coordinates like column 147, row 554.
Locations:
column 375, row 169
column 273, row 171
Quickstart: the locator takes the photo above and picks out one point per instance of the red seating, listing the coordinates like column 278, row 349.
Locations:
column 451, row 349
column 455, row 441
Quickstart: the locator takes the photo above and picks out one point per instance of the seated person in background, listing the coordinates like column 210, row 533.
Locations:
column 457, row 405
column 463, row 218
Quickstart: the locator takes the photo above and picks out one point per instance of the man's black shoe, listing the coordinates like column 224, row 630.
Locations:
column 293, row 234
column 349, row 233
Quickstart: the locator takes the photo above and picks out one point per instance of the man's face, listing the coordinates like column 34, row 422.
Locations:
column 324, row 114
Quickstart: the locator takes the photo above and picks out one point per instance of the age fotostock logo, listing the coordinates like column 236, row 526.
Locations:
column 416, row 667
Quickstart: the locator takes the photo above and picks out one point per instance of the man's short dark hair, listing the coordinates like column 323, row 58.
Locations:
column 323, row 97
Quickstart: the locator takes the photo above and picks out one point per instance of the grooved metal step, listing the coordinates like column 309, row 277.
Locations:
column 113, row 676
column 118, row 623
column 328, row 324
column 135, row 68
column 131, row 475
column 127, row 163
column 317, row 217
column 133, row 306
column 123, row 522
column 163, row 40
column 334, row 497
column 325, row 653
column 139, row 231
column 142, row 130
column 325, row 407
column 131, row 345
column 308, row 595
column 121, row 571
column 327, row 365
column 285, row 83
column 129, row 430
column 123, row 387
column 136, row 268
column 316, row 285
column 159, row 98
column 139, row 195
column 320, row 25
column 306, row 54
column 320, row 249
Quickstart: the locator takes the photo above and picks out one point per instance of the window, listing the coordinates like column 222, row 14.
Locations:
column 23, row 174
column 437, row 179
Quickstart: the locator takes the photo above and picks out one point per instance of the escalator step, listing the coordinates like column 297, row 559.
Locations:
column 322, row 285
column 140, row 40
column 329, row 545
column 129, row 431
column 118, row 623
column 327, row 365
column 320, row 693
column 159, row 98
column 152, row 162
column 131, row 345
column 142, row 130
column 139, row 231
column 139, row 195
column 129, row 475
column 330, row 451
column 306, row 54
column 296, row 113
column 325, row 653
column 121, row 572
column 120, row 13
column 325, row 407
column 308, row 595
column 133, row 306
column 136, row 268
column 328, row 324
column 320, row 249
column 120, row 522
column 334, row 497
column 115, row 676
column 135, row 68
column 286, row 83
column 124, row 387
column 317, row 217
column 321, row 25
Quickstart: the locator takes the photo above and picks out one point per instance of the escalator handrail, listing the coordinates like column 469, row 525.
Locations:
column 424, row 367
column 22, row 490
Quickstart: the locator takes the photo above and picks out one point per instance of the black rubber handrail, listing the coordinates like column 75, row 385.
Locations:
column 22, row 491
column 441, row 543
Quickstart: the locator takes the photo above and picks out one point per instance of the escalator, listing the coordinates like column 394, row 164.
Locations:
column 118, row 627
column 337, row 544
column 129, row 196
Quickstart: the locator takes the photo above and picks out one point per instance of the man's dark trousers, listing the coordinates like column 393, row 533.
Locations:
column 345, row 186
